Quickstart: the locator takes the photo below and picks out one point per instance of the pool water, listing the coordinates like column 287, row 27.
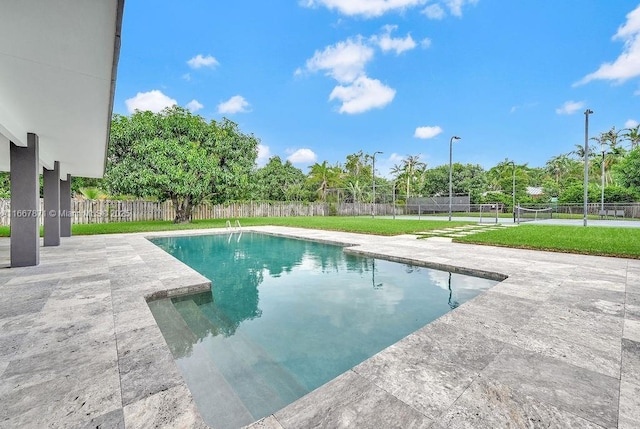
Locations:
column 285, row 316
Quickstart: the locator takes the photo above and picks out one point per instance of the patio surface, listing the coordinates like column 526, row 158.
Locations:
column 556, row 344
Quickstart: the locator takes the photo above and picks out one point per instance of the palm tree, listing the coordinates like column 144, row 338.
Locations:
column 579, row 150
column 325, row 177
column 558, row 166
column 355, row 190
column 633, row 135
column 398, row 173
column 92, row 193
column 411, row 166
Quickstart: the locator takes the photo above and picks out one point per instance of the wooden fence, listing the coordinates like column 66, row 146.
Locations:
column 105, row 211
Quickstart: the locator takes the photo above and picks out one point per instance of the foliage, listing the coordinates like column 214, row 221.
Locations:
column 612, row 194
column 618, row 194
column 323, row 177
column 278, row 181
column 410, row 174
column 92, row 193
column 627, row 171
column 179, row 156
column 632, row 135
column 84, row 182
column 5, row 185
column 575, row 194
column 466, row 178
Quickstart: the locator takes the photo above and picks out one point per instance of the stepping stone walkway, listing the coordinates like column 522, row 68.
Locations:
column 461, row 231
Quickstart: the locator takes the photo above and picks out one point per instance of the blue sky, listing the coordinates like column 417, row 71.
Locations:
column 318, row 80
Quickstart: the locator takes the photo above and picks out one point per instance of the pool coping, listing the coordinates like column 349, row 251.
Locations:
column 148, row 390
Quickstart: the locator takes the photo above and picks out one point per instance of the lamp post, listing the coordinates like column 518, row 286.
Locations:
column 451, row 172
column 373, row 176
column 602, row 174
column 513, row 190
column 586, row 163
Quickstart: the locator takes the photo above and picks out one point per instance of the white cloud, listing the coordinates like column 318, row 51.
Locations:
column 153, row 101
column 455, row 6
column 194, row 105
column 362, row 94
column 631, row 123
column 236, row 104
column 200, row 61
column 437, row 10
column 425, row 43
column 302, row 156
column 627, row 65
column 395, row 158
column 388, row 43
column 434, row 11
column 366, row 8
column 427, row 132
column 524, row 106
column 186, row 76
column 344, row 61
column 570, row 107
column 264, row 153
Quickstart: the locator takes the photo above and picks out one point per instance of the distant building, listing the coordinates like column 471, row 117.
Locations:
column 535, row 191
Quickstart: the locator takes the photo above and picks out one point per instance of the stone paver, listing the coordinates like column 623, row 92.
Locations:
column 459, row 231
column 556, row 344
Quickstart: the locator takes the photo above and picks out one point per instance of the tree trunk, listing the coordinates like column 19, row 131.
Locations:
column 183, row 209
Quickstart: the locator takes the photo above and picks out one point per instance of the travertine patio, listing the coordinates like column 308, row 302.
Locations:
column 557, row 344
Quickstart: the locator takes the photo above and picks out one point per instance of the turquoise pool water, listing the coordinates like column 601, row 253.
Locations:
column 285, row 316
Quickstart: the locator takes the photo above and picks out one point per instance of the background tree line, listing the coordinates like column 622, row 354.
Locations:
column 175, row 155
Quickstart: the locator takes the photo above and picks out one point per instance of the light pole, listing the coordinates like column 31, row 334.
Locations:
column 602, row 143
column 373, row 176
column 451, row 172
column 513, row 190
column 586, row 163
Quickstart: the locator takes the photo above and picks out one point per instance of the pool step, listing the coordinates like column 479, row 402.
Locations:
column 200, row 325
column 175, row 331
column 260, row 383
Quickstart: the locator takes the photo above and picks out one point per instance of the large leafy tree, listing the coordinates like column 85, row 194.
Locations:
column 627, row 170
column 237, row 153
column 465, row 178
column 175, row 155
column 278, row 181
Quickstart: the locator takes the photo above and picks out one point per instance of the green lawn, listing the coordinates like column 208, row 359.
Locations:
column 365, row 225
column 593, row 240
column 609, row 241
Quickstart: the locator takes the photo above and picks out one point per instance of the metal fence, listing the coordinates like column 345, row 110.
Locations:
column 424, row 205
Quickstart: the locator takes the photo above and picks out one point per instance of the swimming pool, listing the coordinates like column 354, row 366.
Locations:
column 285, row 316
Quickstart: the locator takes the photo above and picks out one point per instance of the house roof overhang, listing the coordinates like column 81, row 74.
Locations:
column 58, row 63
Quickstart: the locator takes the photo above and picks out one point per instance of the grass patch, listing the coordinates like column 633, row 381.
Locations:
column 364, row 225
column 593, row 240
